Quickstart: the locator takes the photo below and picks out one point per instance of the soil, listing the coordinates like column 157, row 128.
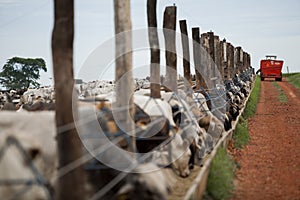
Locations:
column 270, row 163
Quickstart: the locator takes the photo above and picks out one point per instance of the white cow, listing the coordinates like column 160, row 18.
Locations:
column 186, row 115
column 31, row 94
column 37, row 141
column 147, row 182
column 35, row 132
column 154, row 107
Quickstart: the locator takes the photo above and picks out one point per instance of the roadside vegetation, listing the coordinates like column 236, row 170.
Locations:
column 221, row 175
column 281, row 97
column 253, row 100
column 294, row 79
column 241, row 136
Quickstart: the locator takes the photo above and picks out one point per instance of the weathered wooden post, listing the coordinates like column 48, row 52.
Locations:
column 249, row 61
column 186, row 51
column 212, row 59
column 245, row 60
column 237, row 59
column 224, row 59
column 241, row 60
column 154, row 48
column 68, row 142
column 199, row 69
column 206, row 59
column 211, row 45
column 230, row 59
column 123, row 71
column 218, row 56
column 169, row 25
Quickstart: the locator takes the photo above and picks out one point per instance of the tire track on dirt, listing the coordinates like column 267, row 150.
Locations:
column 270, row 164
column 291, row 92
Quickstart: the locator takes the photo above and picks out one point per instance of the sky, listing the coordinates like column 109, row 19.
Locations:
column 260, row 27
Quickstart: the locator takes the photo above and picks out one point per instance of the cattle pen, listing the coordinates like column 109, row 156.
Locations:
column 127, row 138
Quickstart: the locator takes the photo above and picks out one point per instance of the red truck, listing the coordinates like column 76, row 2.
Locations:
column 271, row 68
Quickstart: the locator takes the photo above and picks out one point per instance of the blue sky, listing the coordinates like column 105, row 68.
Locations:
column 260, row 27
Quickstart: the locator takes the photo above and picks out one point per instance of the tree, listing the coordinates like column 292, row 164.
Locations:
column 20, row 73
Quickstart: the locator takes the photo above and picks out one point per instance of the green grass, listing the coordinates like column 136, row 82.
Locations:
column 241, row 136
column 281, row 97
column 290, row 74
column 253, row 100
column 294, row 79
column 221, row 175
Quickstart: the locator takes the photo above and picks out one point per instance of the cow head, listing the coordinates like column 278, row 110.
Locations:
column 15, row 164
column 180, row 155
column 147, row 182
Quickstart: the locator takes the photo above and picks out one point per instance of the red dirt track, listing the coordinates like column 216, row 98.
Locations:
column 270, row 163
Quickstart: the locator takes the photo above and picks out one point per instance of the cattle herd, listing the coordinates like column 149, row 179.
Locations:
column 172, row 135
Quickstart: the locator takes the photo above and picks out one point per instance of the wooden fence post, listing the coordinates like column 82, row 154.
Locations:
column 237, row 59
column 68, row 143
column 169, row 25
column 154, row 48
column 212, row 59
column 197, row 53
column 230, row 59
column 241, row 60
column 235, row 65
column 206, row 59
column 218, row 56
column 245, row 59
column 186, row 51
column 248, row 60
column 211, row 45
column 224, row 59
column 123, row 71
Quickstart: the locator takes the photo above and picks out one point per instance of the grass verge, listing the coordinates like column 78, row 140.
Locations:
column 253, row 100
column 220, row 179
column 281, row 97
column 241, row 136
column 294, row 79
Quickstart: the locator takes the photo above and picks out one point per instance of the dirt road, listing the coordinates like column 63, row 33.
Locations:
column 270, row 164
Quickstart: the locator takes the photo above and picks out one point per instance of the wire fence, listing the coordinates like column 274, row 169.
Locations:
column 91, row 161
